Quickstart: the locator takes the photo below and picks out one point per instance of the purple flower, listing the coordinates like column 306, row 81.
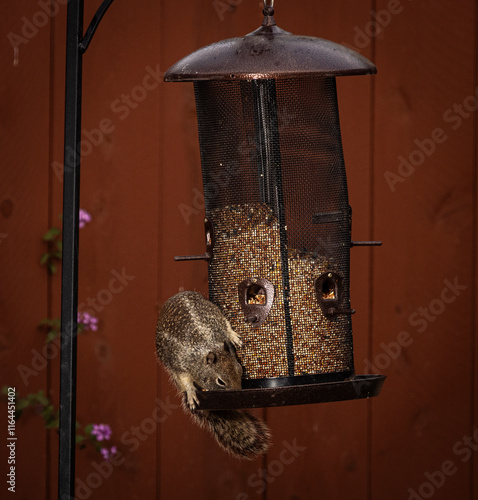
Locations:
column 101, row 432
column 108, row 453
column 84, row 218
column 88, row 321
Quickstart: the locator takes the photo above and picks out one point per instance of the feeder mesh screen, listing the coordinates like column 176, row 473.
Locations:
column 276, row 194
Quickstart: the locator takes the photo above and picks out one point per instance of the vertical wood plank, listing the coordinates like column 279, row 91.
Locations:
column 474, row 186
column 118, row 250
column 422, row 280
column 334, row 463
column 57, row 120
column 186, row 450
column 292, row 482
column 24, row 142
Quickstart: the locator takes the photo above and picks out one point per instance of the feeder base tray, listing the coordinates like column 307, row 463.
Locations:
column 358, row 387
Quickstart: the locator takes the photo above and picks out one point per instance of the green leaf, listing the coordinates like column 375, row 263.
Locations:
column 52, row 335
column 51, row 234
column 48, row 411
column 79, row 438
column 22, row 404
column 45, row 258
column 53, row 424
column 41, row 398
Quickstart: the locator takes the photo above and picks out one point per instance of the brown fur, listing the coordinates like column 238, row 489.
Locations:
column 195, row 343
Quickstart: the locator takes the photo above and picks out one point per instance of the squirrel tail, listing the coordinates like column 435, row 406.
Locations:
column 238, row 432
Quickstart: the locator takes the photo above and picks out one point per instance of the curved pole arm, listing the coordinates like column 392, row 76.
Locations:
column 93, row 25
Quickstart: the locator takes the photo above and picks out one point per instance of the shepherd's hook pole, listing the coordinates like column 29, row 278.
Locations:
column 76, row 45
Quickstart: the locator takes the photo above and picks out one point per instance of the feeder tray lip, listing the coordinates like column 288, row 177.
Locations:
column 357, row 387
column 269, row 53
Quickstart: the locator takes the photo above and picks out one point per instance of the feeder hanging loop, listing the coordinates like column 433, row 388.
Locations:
column 268, row 8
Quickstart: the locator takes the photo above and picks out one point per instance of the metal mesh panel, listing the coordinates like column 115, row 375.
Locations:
column 276, row 195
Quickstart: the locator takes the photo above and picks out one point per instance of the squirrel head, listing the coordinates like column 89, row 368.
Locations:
column 221, row 369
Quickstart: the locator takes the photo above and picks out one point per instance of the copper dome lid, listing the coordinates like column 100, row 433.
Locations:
column 269, row 53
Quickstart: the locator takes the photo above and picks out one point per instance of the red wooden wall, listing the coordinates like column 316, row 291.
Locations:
column 409, row 137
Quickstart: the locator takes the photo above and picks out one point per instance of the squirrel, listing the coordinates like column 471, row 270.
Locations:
column 196, row 344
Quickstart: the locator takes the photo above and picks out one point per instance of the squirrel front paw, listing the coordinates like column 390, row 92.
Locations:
column 233, row 336
column 191, row 399
column 186, row 385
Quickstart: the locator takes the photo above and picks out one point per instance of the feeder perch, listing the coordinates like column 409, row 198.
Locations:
column 278, row 220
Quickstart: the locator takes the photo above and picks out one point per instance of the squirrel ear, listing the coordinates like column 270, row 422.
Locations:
column 211, row 358
column 229, row 347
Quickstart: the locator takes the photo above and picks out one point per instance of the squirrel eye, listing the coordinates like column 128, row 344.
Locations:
column 211, row 358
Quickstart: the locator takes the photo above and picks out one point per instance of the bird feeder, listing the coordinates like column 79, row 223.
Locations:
column 278, row 220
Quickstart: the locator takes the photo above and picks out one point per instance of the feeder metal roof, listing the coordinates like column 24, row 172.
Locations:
column 269, row 52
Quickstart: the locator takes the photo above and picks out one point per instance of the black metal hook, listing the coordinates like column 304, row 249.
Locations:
column 83, row 45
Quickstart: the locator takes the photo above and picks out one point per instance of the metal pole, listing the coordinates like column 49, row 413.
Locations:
column 76, row 45
column 270, row 181
column 69, row 278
